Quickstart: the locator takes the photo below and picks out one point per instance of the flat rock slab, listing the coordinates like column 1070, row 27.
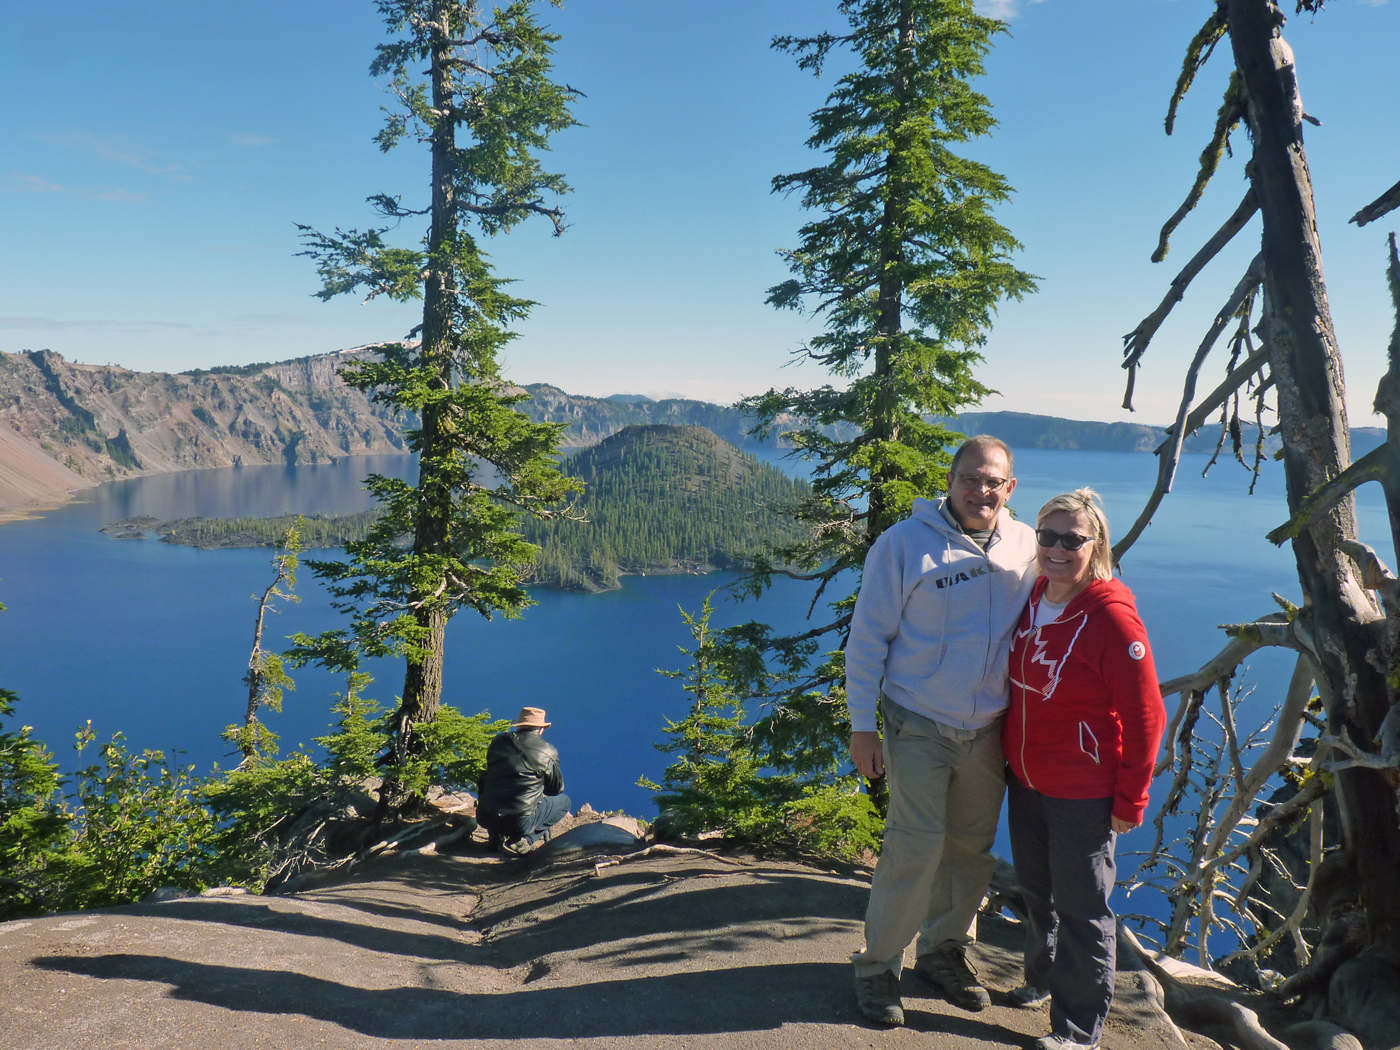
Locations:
column 666, row 951
column 584, row 836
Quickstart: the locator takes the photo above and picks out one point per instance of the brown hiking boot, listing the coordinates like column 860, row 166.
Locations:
column 947, row 969
column 878, row 998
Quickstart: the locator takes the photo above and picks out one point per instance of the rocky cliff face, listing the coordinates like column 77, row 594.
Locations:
column 68, row 425
column 108, row 422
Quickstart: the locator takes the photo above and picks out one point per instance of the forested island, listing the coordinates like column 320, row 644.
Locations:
column 657, row 499
column 662, row 499
column 316, row 530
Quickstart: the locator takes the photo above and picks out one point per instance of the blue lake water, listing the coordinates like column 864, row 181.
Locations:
column 152, row 639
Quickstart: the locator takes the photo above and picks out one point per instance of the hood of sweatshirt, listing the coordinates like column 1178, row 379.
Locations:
column 1095, row 596
column 935, row 513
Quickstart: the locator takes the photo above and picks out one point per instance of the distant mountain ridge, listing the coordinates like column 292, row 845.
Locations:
column 1024, row 430
column 69, row 425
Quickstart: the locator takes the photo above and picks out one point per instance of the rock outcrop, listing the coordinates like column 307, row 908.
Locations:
column 590, row 947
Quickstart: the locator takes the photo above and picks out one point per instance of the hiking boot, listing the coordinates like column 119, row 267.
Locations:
column 947, row 969
column 1028, row 996
column 878, row 998
column 1059, row 1042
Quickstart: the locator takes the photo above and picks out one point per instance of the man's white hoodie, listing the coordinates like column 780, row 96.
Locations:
column 934, row 619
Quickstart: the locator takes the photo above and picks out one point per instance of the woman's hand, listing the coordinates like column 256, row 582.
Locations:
column 1122, row 827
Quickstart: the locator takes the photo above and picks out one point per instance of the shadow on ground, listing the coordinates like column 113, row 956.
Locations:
column 753, row 998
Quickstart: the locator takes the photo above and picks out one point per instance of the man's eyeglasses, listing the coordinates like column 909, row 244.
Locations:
column 1070, row 541
column 978, row 481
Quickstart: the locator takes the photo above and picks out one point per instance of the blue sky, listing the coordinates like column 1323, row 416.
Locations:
column 155, row 156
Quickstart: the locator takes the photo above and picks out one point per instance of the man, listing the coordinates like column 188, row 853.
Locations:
column 929, row 640
column 520, row 790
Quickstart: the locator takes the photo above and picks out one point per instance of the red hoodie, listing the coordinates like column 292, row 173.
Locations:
column 1086, row 715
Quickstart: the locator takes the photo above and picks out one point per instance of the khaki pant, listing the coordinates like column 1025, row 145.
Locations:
column 936, row 862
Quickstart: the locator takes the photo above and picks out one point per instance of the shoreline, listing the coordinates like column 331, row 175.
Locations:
column 30, row 512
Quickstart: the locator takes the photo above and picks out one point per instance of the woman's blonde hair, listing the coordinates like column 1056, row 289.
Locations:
column 1088, row 501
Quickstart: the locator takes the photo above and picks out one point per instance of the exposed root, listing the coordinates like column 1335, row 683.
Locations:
column 1203, row 1007
column 660, row 847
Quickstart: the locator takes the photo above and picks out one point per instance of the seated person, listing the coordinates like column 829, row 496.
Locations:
column 521, row 789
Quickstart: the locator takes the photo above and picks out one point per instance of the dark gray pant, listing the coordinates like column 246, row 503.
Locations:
column 1063, row 852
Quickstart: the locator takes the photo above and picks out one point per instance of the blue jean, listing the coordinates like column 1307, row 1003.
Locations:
column 548, row 813
column 1063, row 852
column 528, row 826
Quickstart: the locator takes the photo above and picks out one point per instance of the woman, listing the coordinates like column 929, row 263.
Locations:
column 1081, row 737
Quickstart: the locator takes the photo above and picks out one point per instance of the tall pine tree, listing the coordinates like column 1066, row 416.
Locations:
column 906, row 262
column 473, row 87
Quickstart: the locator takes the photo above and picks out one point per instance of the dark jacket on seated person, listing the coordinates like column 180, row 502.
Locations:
column 521, row 769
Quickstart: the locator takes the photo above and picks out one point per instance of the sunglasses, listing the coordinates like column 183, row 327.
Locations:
column 1070, row 541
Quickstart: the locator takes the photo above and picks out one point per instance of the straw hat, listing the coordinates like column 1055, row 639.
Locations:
column 531, row 718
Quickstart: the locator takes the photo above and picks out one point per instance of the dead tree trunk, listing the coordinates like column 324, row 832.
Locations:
column 1347, row 625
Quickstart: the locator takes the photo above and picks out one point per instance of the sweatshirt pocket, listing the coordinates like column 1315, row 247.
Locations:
column 1088, row 742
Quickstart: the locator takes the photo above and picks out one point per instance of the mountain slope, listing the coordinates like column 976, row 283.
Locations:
column 69, row 425
column 109, row 422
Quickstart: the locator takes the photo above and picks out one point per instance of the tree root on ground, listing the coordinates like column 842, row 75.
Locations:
column 1198, row 1008
column 610, row 862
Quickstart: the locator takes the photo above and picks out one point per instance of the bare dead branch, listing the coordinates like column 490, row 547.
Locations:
column 1269, row 632
column 1232, row 108
column 1191, row 708
column 1188, row 696
column 1312, row 790
column 1222, row 663
column 1386, row 202
column 1374, row 466
column 1135, row 342
column 1357, row 758
column 1375, row 576
column 1166, row 472
column 1287, row 729
column 1232, row 382
column 1198, row 53
column 660, row 847
column 1227, row 719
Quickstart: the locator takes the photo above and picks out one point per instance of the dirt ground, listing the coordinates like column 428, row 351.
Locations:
column 547, row 950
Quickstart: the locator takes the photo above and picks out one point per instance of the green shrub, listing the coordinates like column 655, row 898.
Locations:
column 835, row 820
column 140, row 824
column 34, row 825
column 254, row 806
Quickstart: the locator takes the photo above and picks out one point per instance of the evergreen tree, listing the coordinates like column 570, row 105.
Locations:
column 714, row 782
column 267, row 678
column 484, row 107
column 718, row 781
column 907, row 263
